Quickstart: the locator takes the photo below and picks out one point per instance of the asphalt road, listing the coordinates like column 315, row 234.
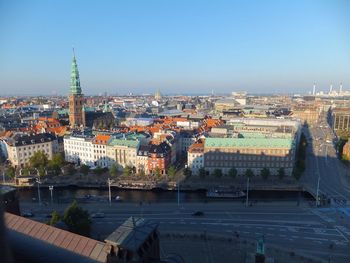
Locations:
column 310, row 231
column 322, row 162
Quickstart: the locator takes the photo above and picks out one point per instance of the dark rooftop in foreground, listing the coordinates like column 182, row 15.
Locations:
column 132, row 234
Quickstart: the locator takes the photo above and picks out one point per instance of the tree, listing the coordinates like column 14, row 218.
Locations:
column 157, row 172
column 25, row 171
column 280, row 173
column 56, row 163
column 127, row 170
column 265, row 173
column 113, row 171
column 249, row 173
column 171, row 171
column 38, row 159
column 232, row 172
column 84, row 169
column 201, row 172
column 217, row 173
column 57, row 160
column 77, row 219
column 10, row 172
column 55, row 218
column 41, row 170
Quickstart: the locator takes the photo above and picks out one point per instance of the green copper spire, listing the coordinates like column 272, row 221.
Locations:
column 74, row 78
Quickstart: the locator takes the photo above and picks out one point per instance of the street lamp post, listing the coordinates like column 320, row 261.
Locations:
column 38, row 182
column 247, row 197
column 178, row 193
column 51, row 194
column 3, row 176
column 109, row 191
column 317, row 190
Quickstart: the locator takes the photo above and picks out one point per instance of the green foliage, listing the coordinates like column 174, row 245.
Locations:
column 280, row 173
column 41, row 170
column 99, row 170
column 171, row 171
column 10, row 172
column 56, row 163
column 84, row 169
column 340, row 145
column 265, row 173
column 249, row 173
column 232, row 172
column 57, row 160
column 218, row 173
column 25, row 171
column 157, row 172
column 113, row 171
column 55, row 218
column 127, row 170
column 77, row 219
column 38, row 159
column 202, row 172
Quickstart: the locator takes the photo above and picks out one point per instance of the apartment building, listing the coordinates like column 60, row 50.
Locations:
column 100, row 150
column 79, row 149
column 195, row 156
column 21, row 147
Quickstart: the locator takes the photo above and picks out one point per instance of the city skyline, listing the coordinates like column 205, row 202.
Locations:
column 178, row 48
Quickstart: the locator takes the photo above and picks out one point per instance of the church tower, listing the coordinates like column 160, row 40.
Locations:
column 76, row 98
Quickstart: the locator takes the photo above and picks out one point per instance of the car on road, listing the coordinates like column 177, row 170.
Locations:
column 198, row 213
column 98, row 215
column 27, row 214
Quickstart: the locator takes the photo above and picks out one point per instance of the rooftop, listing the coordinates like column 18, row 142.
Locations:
column 122, row 142
column 61, row 239
column 132, row 233
column 249, row 142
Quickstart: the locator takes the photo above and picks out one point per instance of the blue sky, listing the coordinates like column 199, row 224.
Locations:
column 175, row 46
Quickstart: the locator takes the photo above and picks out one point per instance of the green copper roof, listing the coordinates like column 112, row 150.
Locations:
column 127, row 143
column 249, row 142
column 74, row 78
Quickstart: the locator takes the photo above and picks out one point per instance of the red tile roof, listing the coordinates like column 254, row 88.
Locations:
column 63, row 239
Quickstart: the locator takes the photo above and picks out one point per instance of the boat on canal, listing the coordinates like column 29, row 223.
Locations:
column 224, row 192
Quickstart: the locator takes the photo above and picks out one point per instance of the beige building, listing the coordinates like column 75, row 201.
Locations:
column 195, row 156
column 341, row 119
column 122, row 152
column 307, row 113
column 23, row 146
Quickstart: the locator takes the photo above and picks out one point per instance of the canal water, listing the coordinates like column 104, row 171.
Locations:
column 67, row 194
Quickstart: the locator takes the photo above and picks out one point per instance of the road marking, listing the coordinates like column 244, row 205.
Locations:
column 341, row 233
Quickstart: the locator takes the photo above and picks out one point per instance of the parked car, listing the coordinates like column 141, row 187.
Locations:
column 27, row 214
column 98, row 215
column 198, row 213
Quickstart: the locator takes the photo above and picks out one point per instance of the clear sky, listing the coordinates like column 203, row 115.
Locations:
column 175, row 46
